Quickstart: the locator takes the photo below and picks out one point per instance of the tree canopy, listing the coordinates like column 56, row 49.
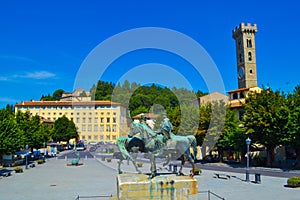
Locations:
column 266, row 119
column 64, row 130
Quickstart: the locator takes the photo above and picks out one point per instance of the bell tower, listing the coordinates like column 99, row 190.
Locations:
column 244, row 37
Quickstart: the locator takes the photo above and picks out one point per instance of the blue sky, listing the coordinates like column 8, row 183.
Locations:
column 44, row 43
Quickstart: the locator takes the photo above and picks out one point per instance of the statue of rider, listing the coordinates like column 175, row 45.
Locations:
column 166, row 126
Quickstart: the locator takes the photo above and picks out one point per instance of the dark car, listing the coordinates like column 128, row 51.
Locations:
column 117, row 155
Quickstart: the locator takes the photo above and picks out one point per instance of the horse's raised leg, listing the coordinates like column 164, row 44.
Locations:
column 134, row 156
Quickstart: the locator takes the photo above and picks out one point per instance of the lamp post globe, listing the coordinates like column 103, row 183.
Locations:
column 248, row 142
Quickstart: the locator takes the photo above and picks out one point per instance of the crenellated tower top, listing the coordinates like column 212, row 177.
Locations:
column 249, row 28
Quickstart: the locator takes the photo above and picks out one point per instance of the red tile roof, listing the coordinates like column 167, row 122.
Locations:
column 67, row 103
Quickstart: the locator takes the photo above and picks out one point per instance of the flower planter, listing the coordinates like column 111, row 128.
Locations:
column 197, row 171
column 108, row 159
column 140, row 164
column 293, row 182
column 18, row 169
column 40, row 162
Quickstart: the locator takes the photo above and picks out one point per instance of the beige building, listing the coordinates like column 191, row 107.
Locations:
column 96, row 121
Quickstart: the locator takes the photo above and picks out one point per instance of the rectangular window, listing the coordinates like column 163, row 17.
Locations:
column 83, row 137
column 96, row 120
column 107, row 128
column 102, row 120
column 101, row 137
column 90, row 120
column 107, row 137
column 114, row 128
column 83, row 120
column 96, row 128
column 114, row 137
column 77, row 120
column 83, row 128
column 89, row 127
column 101, row 128
column 107, row 119
column 89, row 137
column 114, row 120
column 96, row 137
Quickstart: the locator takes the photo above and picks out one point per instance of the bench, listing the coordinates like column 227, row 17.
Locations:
column 6, row 174
column 223, row 176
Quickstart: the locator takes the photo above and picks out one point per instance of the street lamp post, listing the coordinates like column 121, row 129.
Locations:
column 248, row 142
column 26, row 147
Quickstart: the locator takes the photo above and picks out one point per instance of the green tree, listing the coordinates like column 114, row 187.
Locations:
column 64, row 130
column 266, row 120
column 11, row 137
column 293, row 139
column 205, row 117
column 35, row 132
column 231, row 137
column 56, row 96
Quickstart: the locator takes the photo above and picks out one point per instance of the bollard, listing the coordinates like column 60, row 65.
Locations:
column 175, row 168
column 257, row 177
column 170, row 167
column 86, row 157
column 66, row 158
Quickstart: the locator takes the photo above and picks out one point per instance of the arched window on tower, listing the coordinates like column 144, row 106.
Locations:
column 249, row 56
column 235, row 96
column 242, row 95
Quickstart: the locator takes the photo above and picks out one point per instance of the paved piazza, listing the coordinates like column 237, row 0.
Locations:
column 56, row 180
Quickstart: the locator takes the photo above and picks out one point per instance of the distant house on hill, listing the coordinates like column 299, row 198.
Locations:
column 209, row 98
column 78, row 95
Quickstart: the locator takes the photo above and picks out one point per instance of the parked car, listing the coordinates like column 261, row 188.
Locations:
column 117, row 155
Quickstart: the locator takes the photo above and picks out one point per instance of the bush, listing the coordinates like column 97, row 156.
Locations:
column 140, row 164
column 198, row 171
column 39, row 161
column 108, row 159
column 294, row 181
column 18, row 169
